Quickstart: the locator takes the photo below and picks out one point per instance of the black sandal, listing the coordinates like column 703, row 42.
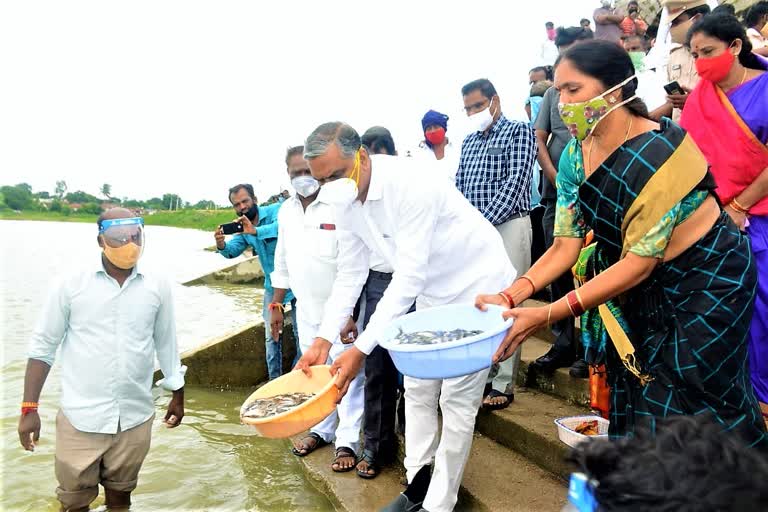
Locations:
column 373, row 467
column 319, row 443
column 496, row 394
column 343, row 451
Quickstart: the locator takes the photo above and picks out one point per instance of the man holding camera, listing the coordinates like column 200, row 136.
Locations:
column 256, row 227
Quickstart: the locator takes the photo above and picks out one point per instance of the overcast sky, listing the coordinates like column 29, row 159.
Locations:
column 191, row 97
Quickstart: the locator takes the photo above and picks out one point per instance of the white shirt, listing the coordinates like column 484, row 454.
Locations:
column 650, row 89
column 438, row 243
column 109, row 336
column 450, row 161
column 312, row 258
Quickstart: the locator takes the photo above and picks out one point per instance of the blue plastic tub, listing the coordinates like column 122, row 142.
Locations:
column 452, row 359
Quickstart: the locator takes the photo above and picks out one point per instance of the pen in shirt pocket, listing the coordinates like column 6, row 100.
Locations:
column 329, row 227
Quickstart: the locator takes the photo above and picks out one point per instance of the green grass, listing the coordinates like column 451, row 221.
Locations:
column 49, row 216
column 194, row 219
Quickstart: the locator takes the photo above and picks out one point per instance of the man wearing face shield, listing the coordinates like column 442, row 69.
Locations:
column 681, row 67
column 309, row 259
column 110, row 321
column 442, row 250
column 260, row 233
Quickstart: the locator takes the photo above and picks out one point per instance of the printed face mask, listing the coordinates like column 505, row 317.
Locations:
column 582, row 118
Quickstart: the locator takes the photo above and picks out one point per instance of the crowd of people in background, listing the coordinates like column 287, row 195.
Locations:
column 634, row 200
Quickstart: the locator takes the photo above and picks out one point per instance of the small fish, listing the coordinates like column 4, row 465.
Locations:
column 264, row 407
column 433, row 337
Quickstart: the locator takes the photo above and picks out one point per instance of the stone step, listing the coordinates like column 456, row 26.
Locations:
column 559, row 384
column 527, row 427
column 496, row 479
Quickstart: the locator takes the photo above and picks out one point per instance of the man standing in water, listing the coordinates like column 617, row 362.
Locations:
column 442, row 251
column 110, row 321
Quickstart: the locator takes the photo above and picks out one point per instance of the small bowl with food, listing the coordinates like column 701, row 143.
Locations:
column 292, row 403
column 573, row 430
column 445, row 341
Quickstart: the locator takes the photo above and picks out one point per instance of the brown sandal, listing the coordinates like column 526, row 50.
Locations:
column 319, row 442
column 343, row 452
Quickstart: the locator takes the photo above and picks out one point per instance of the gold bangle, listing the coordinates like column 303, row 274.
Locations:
column 738, row 206
column 527, row 278
column 549, row 315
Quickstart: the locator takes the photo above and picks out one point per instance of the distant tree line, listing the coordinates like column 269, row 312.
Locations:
column 21, row 197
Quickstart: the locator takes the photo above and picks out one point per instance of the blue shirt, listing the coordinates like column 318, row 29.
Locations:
column 109, row 336
column 495, row 170
column 264, row 242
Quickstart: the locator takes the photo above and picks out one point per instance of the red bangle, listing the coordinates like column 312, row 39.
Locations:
column 27, row 410
column 574, row 303
column 508, row 297
column 276, row 305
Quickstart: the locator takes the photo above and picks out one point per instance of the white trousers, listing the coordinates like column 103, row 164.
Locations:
column 518, row 237
column 459, row 399
column 342, row 427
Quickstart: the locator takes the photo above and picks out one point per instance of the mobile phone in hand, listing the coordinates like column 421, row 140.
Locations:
column 673, row 88
column 231, row 228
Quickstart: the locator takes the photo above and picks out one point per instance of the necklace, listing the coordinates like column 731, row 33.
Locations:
column 592, row 143
column 743, row 77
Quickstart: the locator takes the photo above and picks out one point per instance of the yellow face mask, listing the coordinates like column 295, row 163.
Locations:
column 124, row 257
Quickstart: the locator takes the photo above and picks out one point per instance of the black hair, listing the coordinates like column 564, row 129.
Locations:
column 693, row 11
column 633, row 10
column 568, row 36
column 755, row 13
column 483, row 85
column 633, row 2
column 610, row 64
column 379, row 140
column 589, row 22
column 293, row 151
column 549, row 73
column 242, row 186
column 633, row 36
column 689, row 463
column 727, row 29
column 549, row 24
column 725, row 9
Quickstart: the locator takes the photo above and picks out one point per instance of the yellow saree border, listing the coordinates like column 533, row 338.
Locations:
column 622, row 344
column 739, row 121
column 674, row 180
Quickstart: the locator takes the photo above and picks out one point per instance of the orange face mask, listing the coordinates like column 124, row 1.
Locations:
column 124, row 257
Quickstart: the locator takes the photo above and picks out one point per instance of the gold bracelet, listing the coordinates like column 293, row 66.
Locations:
column 549, row 315
column 528, row 278
column 738, row 207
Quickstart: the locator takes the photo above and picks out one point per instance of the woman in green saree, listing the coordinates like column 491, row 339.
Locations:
column 671, row 280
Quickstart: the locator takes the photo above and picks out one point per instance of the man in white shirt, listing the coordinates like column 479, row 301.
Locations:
column 442, row 251
column 436, row 144
column 310, row 260
column 110, row 321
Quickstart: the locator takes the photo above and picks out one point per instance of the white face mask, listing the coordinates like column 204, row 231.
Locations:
column 305, row 186
column 341, row 192
column 480, row 121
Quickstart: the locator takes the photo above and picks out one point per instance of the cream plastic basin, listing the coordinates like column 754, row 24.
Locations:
column 300, row 418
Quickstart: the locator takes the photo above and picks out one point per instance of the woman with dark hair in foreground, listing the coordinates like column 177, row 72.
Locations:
column 671, row 279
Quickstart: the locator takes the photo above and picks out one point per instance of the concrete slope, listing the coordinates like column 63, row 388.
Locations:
column 496, row 480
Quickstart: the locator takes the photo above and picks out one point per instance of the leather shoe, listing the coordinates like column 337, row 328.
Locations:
column 402, row 504
column 579, row 370
column 554, row 359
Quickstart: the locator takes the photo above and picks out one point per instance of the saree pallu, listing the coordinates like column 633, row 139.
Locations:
column 688, row 322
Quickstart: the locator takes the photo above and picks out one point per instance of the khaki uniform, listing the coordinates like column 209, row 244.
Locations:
column 84, row 460
column 681, row 68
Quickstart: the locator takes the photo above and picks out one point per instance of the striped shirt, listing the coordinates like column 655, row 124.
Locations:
column 495, row 169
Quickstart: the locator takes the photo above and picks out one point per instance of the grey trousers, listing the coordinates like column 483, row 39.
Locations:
column 518, row 236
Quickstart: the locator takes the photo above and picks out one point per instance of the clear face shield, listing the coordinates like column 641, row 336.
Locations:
column 123, row 241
